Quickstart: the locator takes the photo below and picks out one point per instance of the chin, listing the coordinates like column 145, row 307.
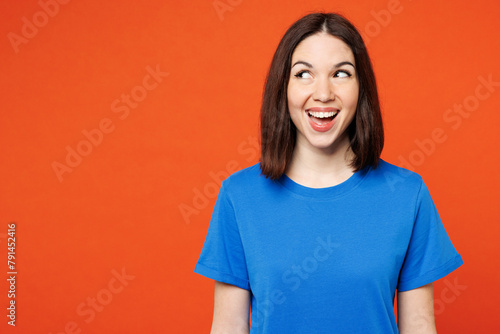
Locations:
column 329, row 143
column 323, row 144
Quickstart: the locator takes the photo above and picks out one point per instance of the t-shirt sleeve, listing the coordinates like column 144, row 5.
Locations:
column 430, row 254
column 222, row 257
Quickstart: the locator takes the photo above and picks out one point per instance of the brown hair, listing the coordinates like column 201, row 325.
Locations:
column 278, row 133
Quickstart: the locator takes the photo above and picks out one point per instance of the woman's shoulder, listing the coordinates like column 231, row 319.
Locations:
column 242, row 176
column 396, row 176
column 247, row 179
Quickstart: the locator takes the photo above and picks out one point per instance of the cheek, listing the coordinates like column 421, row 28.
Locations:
column 349, row 97
column 296, row 97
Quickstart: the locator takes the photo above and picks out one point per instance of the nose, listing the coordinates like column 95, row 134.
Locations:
column 324, row 91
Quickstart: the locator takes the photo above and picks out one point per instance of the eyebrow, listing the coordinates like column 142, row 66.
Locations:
column 335, row 66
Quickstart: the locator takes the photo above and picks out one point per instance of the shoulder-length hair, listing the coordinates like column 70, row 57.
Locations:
column 277, row 131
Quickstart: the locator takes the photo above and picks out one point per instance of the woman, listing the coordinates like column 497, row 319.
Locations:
column 317, row 236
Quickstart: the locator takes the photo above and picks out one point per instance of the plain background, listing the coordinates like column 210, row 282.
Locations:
column 140, row 197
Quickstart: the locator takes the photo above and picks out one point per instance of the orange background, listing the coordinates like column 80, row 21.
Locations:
column 141, row 198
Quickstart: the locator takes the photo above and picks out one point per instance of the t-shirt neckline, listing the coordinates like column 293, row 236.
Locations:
column 326, row 192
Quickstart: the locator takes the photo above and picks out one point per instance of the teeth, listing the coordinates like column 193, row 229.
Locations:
column 320, row 114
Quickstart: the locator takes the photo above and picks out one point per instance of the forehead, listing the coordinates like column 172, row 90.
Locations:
column 322, row 47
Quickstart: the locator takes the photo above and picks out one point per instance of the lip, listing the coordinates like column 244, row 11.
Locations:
column 322, row 127
column 322, row 109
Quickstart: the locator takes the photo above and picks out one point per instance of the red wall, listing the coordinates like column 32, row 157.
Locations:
column 169, row 94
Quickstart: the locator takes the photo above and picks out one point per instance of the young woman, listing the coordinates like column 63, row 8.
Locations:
column 318, row 236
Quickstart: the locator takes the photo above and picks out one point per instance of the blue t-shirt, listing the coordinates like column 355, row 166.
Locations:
column 326, row 260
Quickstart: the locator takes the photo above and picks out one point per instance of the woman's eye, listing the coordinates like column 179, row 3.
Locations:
column 342, row 74
column 303, row 75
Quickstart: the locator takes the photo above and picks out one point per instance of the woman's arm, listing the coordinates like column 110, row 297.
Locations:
column 416, row 311
column 231, row 309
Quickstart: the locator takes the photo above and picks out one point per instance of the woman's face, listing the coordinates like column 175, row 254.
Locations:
column 322, row 91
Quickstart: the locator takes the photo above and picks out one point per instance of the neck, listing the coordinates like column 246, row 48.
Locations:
column 320, row 167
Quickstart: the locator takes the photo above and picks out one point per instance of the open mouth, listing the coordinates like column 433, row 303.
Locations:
column 322, row 118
